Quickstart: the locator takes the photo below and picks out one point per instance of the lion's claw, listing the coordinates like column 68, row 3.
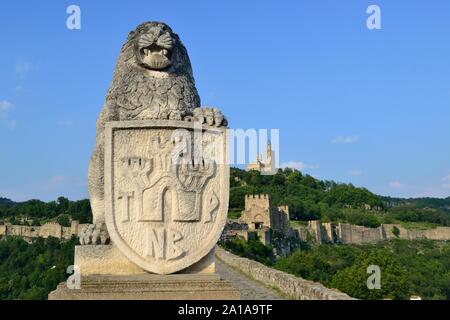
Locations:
column 209, row 116
column 94, row 234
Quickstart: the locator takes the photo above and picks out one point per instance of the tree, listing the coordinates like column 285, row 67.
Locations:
column 64, row 220
column 395, row 231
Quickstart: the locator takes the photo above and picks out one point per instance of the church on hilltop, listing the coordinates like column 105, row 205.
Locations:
column 267, row 166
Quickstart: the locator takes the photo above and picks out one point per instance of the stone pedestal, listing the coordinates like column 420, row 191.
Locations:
column 109, row 260
column 106, row 274
column 149, row 287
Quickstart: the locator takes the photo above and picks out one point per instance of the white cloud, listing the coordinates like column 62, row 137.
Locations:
column 396, row 185
column 355, row 173
column 446, row 178
column 23, row 67
column 5, row 105
column 345, row 139
column 446, row 186
column 298, row 165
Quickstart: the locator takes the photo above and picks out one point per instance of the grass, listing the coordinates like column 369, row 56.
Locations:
column 418, row 225
column 234, row 214
column 296, row 223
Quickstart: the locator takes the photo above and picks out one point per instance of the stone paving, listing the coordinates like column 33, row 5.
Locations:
column 250, row 289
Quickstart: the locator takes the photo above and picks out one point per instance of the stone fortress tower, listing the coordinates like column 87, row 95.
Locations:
column 259, row 213
column 262, row 216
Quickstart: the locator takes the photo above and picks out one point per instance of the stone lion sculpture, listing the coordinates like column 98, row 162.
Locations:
column 153, row 80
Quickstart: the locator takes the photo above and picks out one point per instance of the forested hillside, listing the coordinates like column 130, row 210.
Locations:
column 309, row 198
column 76, row 210
column 5, row 201
column 434, row 203
column 408, row 268
column 31, row 271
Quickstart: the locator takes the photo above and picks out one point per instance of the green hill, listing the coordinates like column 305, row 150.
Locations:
column 431, row 203
column 312, row 199
column 77, row 210
column 308, row 199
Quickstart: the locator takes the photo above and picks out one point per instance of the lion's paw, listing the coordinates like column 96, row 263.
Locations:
column 94, row 234
column 209, row 116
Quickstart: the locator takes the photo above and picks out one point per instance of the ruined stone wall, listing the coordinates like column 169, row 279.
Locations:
column 439, row 233
column 328, row 232
column 316, row 230
column 353, row 234
column 348, row 233
column 302, row 233
column 293, row 286
column 280, row 217
column 51, row 229
column 264, row 236
column 344, row 233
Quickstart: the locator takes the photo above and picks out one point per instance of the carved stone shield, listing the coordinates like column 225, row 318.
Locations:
column 166, row 191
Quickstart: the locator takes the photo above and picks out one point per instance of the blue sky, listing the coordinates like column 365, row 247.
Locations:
column 371, row 107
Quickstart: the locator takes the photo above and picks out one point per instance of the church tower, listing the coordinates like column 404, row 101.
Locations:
column 269, row 165
column 266, row 166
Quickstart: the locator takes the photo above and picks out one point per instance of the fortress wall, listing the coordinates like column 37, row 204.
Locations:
column 51, row 230
column 349, row 234
column 371, row 235
column 264, row 236
column 345, row 232
column 30, row 232
column 327, row 235
column 12, row 230
column 302, row 233
column 47, row 230
column 404, row 234
column 362, row 234
column 316, row 229
column 295, row 287
column 439, row 233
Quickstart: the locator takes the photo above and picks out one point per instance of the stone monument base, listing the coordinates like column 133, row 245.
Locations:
column 108, row 260
column 106, row 274
column 149, row 287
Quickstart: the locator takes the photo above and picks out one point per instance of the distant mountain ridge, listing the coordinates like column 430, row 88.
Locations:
column 426, row 202
column 6, row 201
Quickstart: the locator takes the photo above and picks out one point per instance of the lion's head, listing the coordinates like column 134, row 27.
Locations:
column 153, row 77
column 156, row 47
